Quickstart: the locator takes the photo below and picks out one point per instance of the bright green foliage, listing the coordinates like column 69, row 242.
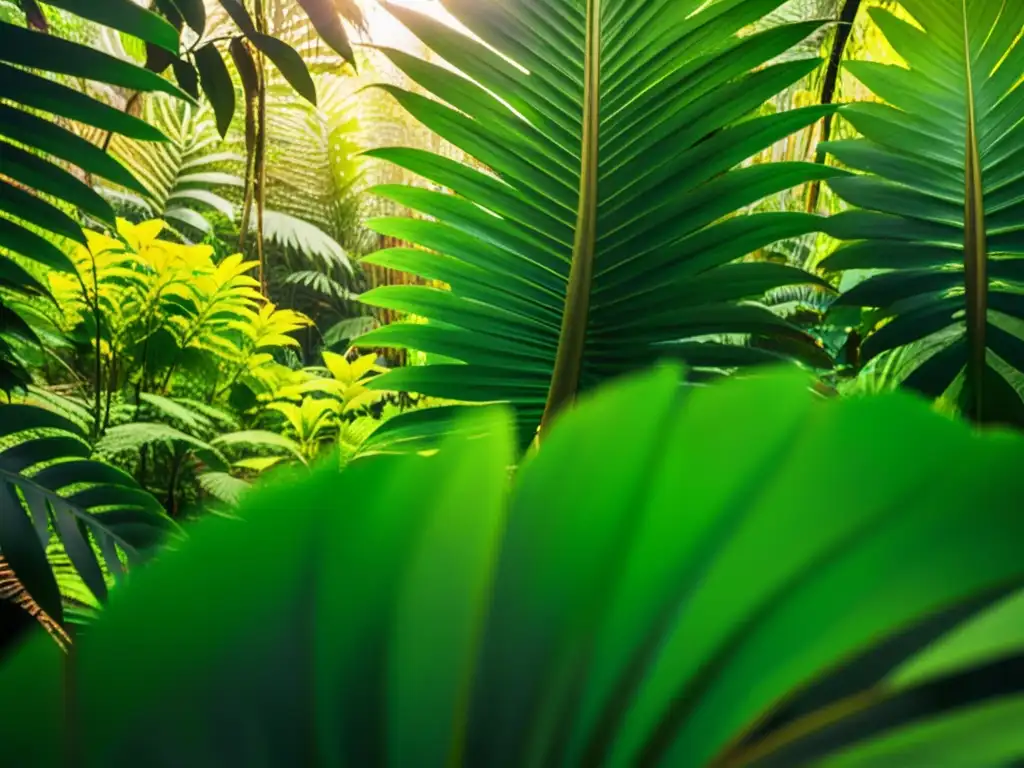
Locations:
column 657, row 578
column 603, row 237
column 318, row 409
column 941, row 201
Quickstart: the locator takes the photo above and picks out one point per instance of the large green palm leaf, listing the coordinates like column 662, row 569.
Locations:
column 942, row 212
column 603, row 237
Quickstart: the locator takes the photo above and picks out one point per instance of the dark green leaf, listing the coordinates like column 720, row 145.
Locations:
column 217, row 85
column 186, row 76
column 45, row 135
column 236, row 10
column 37, row 173
column 32, row 246
column 23, row 551
column 31, row 90
column 24, row 205
column 125, row 16
column 289, row 62
column 39, row 51
column 328, row 25
column 194, row 13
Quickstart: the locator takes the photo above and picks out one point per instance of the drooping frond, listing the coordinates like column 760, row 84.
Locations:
column 12, row 591
column 185, row 176
column 43, row 162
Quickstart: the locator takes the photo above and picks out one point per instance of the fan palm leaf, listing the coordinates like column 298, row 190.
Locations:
column 182, row 176
column 602, row 237
column 940, row 201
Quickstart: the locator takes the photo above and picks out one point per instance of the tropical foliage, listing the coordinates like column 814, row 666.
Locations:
column 580, row 258
column 337, row 426
column 940, row 208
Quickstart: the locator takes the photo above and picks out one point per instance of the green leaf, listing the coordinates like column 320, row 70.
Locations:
column 37, row 173
column 31, row 90
column 327, row 23
column 223, row 487
column 62, row 143
column 125, row 16
column 194, row 14
column 616, row 150
column 25, row 553
column 48, row 463
column 186, row 76
column 289, row 62
column 32, row 246
column 39, row 51
column 261, row 438
column 236, row 10
column 24, row 205
column 217, row 85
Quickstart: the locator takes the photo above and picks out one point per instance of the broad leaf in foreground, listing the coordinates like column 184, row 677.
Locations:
column 660, row 584
column 941, row 200
column 602, row 236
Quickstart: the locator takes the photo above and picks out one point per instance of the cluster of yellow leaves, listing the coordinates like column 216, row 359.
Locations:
column 140, row 283
column 314, row 405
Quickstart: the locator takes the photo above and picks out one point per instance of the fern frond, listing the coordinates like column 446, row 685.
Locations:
column 320, row 283
column 176, row 412
column 183, row 175
column 305, row 240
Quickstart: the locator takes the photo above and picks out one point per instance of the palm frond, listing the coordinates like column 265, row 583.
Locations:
column 939, row 200
column 223, row 486
column 188, row 177
column 43, row 161
column 602, row 234
column 12, row 591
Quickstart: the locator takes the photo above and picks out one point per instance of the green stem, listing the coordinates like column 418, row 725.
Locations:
column 975, row 251
column 565, row 378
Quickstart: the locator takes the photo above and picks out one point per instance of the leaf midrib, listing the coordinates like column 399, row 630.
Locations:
column 975, row 250
column 572, row 337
